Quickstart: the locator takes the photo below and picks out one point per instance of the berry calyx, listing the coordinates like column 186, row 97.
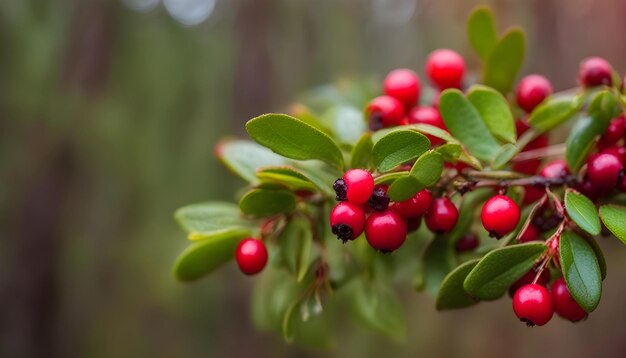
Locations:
column 603, row 170
column 356, row 186
column 441, row 216
column 467, row 242
column 379, row 200
column 347, row 221
column 251, row 256
column 564, row 305
column 531, row 91
column 555, row 169
column 383, row 112
column 430, row 116
column 614, row 132
column 500, row 216
column 385, row 231
column 415, row 206
column 532, row 304
column 445, row 68
column 595, row 71
column 403, row 85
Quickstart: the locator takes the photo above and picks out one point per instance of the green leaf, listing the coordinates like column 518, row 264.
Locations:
column 583, row 212
column 202, row 257
column 427, row 168
column 433, row 131
column 495, row 112
column 361, row 156
column 265, row 203
column 450, row 152
column 397, row 148
column 466, row 124
column 584, row 133
column 614, row 217
column 377, row 307
column 554, row 112
column 294, row 139
column 500, row 268
column 599, row 255
column 580, row 270
column 286, row 176
column 347, row 123
column 321, row 174
column 210, row 217
column 404, row 187
column 481, row 32
column 296, row 242
column 389, row 177
column 304, row 114
column 505, row 61
column 451, row 294
column 438, row 259
column 242, row 157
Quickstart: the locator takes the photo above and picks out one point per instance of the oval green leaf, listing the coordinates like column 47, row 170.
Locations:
column 286, row 176
column 466, row 124
column 554, row 112
column 427, row 168
column 583, row 212
column 242, row 157
column 378, row 307
column 202, row 257
column 580, row 270
column 451, row 294
column 294, row 139
column 505, row 61
column 210, row 217
column 404, row 187
column 295, row 243
column 481, row 32
column 361, row 156
column 397, row 148
column 495, row 112
column 500, row 268
column 614, row 217
column 450, row 152
column 264, row 203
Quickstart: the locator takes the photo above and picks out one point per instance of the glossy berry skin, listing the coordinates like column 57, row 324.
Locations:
column 564, row 305
column 385, row 231
column 531, row 91
column 467, row 242
column 347, row 221
column 595, row 71
column 431, row 116
column 415, row 206
column 614, row 132
column 603, row 170
column 533, row 305
column 619, row 152
column 383, row 112
column 555, row 169
column 528, row 278
column 441, row 216
column 251, row 256
column 356, row 186
column 403, row 85
column 530, row 234
column 500, row 215
column 445, row 68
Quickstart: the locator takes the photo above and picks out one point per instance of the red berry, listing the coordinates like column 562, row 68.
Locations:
column 529, row 166
column 564, row 305
column 356, row 186
column 467, row 242
column 619, row 152
column 555, row 169
column 251, row 256
column 385, row 231
column 530, row 234
column 532, row 193
column 347, row 221
column 590, row 191
column 403, row 85
column 500, row 215
column 533, row 305
column 595, row 71
column 614, row 133
column 379, row 200
column 531, row 91
column 528, row 278
column 442, row 216
column 445, row 68
column 416, row 206
column 431, row 116
column 412, row 224
column 603, row 170
column 384, row 111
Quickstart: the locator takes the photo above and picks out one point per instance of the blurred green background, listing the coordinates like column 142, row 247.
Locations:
column 109, row 112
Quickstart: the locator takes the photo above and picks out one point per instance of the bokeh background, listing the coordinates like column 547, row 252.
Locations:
column 109, row 111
